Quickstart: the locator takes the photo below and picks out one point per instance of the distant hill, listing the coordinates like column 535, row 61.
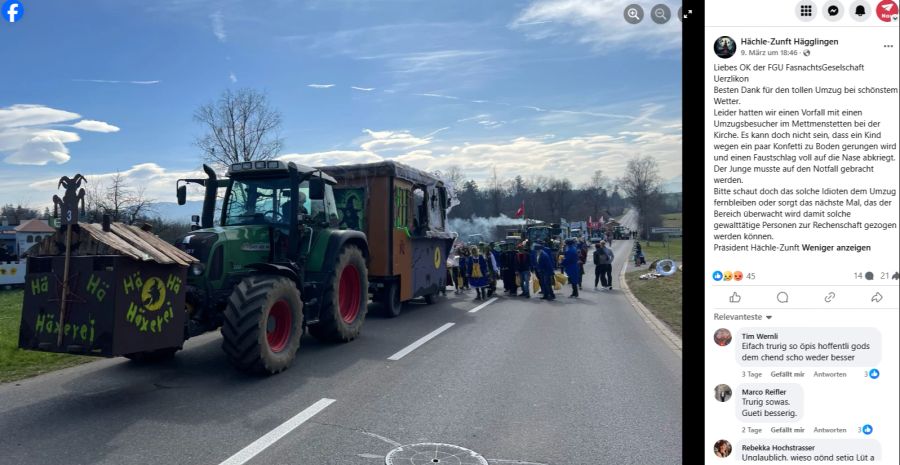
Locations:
column 180, row 213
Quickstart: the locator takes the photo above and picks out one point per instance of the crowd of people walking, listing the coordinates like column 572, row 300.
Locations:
column 524, row 268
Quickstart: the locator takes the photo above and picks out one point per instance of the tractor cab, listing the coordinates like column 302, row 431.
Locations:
column 262, row 193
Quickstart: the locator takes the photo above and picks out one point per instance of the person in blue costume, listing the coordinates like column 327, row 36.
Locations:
column 479, row 275
column 545, row 270
column 572, row 265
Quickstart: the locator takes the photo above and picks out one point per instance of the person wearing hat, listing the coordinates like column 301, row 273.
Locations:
column 571, row 266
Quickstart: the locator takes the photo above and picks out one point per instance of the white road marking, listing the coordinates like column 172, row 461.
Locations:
column 273, row 436
column 417, row 344
column 387, row 440
column 514, row 461
column 483, row 305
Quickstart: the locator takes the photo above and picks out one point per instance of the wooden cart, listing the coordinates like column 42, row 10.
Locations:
column 403, row 212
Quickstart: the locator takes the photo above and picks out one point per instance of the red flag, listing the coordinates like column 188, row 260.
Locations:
column 521, row 210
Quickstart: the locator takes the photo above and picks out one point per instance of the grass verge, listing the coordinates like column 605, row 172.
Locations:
column 662, row 296
column 16, row 363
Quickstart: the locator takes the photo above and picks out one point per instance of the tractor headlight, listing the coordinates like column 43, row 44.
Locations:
column 197, row 269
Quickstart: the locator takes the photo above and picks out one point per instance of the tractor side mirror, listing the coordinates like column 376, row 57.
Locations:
column 181, row 193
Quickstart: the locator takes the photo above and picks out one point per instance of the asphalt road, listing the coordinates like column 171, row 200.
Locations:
column 575, row 381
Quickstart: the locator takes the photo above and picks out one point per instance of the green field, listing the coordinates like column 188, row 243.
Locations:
column 671, row 220
column 656, row 250
column 15, row 363
column 662, row 296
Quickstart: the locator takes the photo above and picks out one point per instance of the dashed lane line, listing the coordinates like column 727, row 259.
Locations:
column 415, row 345
column 247, row 453
column 483, row 305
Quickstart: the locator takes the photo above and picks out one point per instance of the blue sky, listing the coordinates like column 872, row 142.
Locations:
column 544, row 87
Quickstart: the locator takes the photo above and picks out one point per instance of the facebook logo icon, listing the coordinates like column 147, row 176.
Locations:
column 12, row 11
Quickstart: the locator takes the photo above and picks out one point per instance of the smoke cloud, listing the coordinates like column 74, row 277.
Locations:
column 492, row 229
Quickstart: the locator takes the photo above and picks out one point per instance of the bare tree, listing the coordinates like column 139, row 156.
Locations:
column 117, row 199
column 16, row 214
column 139, row 205
column 596, row 192
column 455, row 175
column 558, row 193
column 240, row 126
column 641, row 184
column 495, row 193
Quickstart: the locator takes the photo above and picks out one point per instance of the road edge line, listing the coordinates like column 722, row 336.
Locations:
column 419, row 342
column 254, row 448
column 658, row 327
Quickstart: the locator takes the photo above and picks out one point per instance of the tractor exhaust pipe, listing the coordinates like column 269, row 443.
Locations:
column 209, row 199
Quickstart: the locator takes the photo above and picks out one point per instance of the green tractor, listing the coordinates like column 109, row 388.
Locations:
column 273, row 264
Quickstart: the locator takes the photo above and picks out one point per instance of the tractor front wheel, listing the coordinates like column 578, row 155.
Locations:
column 263, row 324
column 346, row 300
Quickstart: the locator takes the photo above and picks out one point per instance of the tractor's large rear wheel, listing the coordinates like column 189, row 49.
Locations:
column 263, row 324
column 346, row 299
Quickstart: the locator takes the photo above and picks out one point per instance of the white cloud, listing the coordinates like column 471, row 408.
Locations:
column 320, row 86
column 450, row 97
column 218, row 26
column 30, row 115
column 490, row 124
column 457, row 62
column 573, row 158
column 479, row 116
column 95, row 126
column 364, row 89
column 598, row 23
column 40, row 150
column 26, row 139
column 436, row 131
column 392, row 140
column 107, row 81
column 232, row 77
column 14, row 138
column 158, row 182
column 332, row 157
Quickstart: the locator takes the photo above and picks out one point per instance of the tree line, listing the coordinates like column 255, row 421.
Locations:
column 549, row 198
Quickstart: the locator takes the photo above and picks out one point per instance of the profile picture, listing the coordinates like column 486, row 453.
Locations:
column 723, row 392
column 725, row 47
column 722, row 448
column 722, row 337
